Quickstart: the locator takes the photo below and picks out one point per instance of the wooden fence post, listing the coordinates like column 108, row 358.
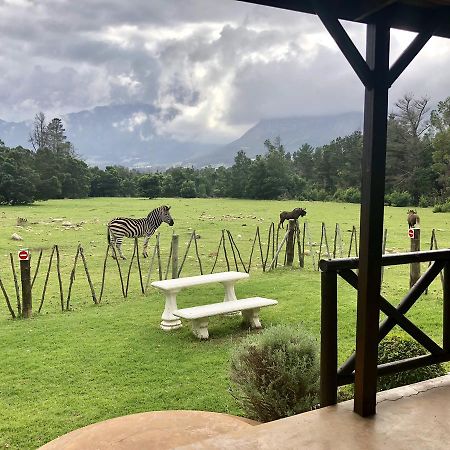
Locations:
column 414, row 271
column 290, row 243
column 174, row 256
column 25, row 276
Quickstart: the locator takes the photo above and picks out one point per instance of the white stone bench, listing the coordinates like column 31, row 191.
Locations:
column 171, row 287
column 199, row 315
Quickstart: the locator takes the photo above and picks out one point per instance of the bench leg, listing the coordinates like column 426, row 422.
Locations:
column 169, row 320
column 251, row 317
column 230, row 294
column 200, row 328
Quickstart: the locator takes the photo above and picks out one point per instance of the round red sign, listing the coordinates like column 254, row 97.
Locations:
column 24, row 255
column 411, row 233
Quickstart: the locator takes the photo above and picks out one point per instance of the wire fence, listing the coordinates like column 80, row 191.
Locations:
column 278, row 250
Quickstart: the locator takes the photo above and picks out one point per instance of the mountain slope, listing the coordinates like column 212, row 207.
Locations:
column 293, row 132
column 114, row 134
column 126, row 135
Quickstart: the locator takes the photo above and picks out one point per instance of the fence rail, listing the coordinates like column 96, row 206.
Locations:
column 332, row 376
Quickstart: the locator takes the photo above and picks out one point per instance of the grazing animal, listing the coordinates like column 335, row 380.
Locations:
column 413, row 218
column 294, row 214
column 21, row 221
column 125, row 227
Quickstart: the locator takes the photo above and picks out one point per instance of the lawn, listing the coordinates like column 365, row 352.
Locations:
column 61, row 371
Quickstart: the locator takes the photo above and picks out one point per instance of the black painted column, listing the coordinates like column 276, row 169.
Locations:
column 371, row 219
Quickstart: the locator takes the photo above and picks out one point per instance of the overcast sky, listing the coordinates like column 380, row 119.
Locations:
column 213, row 68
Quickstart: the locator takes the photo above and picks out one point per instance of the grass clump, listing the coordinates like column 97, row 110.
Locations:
column 275, row 374
column 396, row 348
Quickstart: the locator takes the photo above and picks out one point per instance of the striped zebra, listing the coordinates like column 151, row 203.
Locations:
column 125, row 227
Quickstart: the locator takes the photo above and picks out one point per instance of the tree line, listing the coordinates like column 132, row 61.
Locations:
column 417, row 167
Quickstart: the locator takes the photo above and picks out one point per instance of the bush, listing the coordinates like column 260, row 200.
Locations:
column 425, row 202
column 394, row 348
column 275, row 374
column 397, row 198
column 443, row 207
column 349, row 195
column 188, row 190
column 315, row 194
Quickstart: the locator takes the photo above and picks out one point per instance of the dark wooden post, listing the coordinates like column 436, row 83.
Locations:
column 328, row 339
column 446, row 308
column 174, row 256
column 290, row 244
column 414, row 268
column 371, row 219
column 25, row 276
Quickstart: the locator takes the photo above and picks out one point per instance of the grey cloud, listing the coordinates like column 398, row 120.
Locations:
column 237, row 62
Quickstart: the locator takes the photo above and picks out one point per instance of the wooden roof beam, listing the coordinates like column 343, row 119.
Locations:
column 344, row 42
column 414, row 48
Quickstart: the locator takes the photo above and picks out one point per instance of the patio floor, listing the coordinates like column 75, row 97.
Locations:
column 411, row 417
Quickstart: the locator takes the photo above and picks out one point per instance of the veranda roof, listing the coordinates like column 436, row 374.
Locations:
column 409, row 15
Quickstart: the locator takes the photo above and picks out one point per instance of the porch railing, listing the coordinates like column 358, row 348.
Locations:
column 331, row 376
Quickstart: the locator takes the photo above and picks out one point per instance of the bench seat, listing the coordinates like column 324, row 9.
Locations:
column 199, row 314
column 177, row 284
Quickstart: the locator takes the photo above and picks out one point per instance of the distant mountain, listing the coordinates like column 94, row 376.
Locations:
column 14, row 134
column 126, row 135
column 293, row 132
column 114, row 134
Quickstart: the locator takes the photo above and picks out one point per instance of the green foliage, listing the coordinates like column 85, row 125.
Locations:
column 441, row 208
column 349, row 195
column 396, row 348
column 417, row 167
column 276, row 374
column 18, row 179
column 150, row 185
column 397, row 198
column 188, row 189
column 425, row 202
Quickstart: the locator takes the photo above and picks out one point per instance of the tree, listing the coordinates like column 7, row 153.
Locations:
column 408, row 157
column 440, row 121
column 188, row 189
column 239, row 175
column 56, row 140
column 75, row 179
column 149, row 185
column 17, row 177
column 303, row 160
column 105, row 183
column 38, row 136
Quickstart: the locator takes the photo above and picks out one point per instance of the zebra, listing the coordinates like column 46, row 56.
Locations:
column 122, row 227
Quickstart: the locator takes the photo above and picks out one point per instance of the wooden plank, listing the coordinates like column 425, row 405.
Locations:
column 328, row 342
column 387, row 260
column 371, row 220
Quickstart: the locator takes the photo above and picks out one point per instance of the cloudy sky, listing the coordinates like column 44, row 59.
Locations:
column 213, row 68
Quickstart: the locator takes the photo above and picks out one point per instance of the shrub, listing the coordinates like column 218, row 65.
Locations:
column 394, row 348
column 425, row 202
column 443, row 207
column 315, row 194
column 275, row 374
column 397, row 198
column 349, row 195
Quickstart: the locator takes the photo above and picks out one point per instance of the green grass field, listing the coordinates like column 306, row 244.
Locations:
column 60, row 371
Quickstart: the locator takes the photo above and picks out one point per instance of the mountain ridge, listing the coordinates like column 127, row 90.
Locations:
column 126, row 135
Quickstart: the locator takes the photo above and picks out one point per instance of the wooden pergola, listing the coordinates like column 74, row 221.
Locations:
column 427, row 18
